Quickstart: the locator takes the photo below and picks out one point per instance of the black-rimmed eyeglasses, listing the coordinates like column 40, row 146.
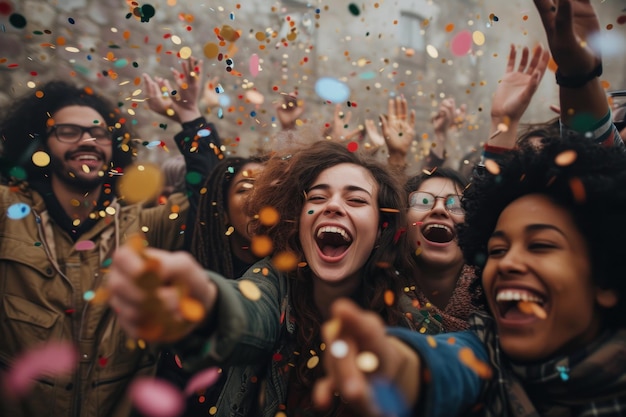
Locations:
column 424, row 201
column 69, row 133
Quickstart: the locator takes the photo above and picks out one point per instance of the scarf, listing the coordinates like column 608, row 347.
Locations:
column 589, row 383
column 463, row 302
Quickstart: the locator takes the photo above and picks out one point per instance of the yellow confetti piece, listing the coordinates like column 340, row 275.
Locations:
column 141, row 182
column 431, row 341
column 249, row 290
column 332, row 328
column 313, row 362
column 41, row 159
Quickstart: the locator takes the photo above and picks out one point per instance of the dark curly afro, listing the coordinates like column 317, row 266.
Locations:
column 592, row 188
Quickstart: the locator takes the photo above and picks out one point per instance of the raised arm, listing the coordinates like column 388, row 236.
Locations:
column 198, row 141
column 572, row 29
column 514, row 93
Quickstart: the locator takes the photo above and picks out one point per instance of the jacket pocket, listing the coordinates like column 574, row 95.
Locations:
column 17, row 254
column 25, row 324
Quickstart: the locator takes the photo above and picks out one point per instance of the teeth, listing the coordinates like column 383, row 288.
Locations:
column 512, row 295
column 87, row 158
column 334, row 229
column 438, row 226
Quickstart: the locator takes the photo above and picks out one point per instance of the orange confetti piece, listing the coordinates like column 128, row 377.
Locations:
column 467, row 357
column 191, row 309
column 528, row 307
column 261, row 246
column 268, row 216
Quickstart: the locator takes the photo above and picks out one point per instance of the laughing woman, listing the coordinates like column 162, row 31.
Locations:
column 547, row 232
column 341, row 223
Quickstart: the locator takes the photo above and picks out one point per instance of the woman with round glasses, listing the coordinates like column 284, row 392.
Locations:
column 444, row 283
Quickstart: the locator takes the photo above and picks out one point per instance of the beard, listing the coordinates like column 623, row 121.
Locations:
column 77, row 181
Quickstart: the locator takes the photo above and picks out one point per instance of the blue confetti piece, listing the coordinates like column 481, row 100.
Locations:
column 219, row 89
column 332, row 90
column 18, row 211
column 220, row 113
column 72, row 21
column 203, row 133
column 232, row 16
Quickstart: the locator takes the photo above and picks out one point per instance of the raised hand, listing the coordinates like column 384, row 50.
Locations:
column 181, row 103
column 340, row 129
column 398, row 127
column 514, row 93
column 288, row 110
column 448, row 116
column 569, row 26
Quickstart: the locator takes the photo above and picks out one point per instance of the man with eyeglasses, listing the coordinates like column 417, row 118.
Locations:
column 63, row 150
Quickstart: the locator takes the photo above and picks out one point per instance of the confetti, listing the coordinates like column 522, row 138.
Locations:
column 261, row 245
column 367, row 362
column 18, row 211
column 156, row 398
column 566, row 158
column 53, row 358
column 528, row 307
column 331, row 89
column 249, row 290
column 285, row 261
column 467, row 357
column 202, row 380
column 461, row 44
column 191, row 309
column 41, row 159
column 268, row 216
column 492, row 167
column 339, row 349
column 84, row 245
column 141, row 182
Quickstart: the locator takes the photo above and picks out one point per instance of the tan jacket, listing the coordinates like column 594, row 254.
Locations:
column 43, row 279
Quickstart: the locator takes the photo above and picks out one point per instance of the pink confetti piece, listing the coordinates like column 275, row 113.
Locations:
column 462, row 43
column 156, row 398
column 85, row 245
column 254, row 65
column 202, row 380
column 50, row 359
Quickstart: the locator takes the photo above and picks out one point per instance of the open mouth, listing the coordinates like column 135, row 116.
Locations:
column 438, row 233
column 333, row 241
column 514, row 304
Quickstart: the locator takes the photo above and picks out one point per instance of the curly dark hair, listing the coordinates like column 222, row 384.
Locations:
column 23, row 126
column 599, row 216
column 210, row 244
column 282, row 185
